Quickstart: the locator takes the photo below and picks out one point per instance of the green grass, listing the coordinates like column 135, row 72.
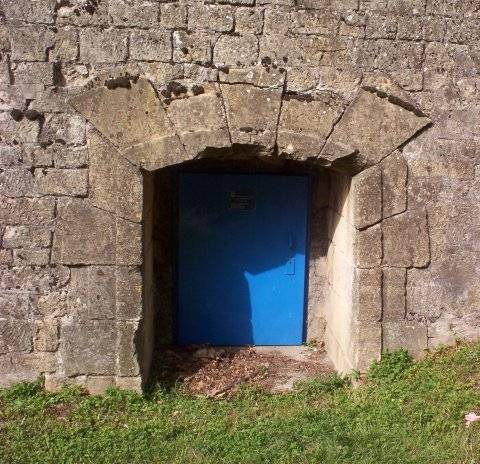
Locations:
column 404, row 413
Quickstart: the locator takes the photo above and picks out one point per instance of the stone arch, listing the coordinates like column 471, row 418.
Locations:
column 136, row 127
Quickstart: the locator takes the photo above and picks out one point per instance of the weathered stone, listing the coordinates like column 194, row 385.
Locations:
column 405, row 240
column 376, row 127
column 127, row 364
column 30, row 43
column 88, row 347
column 394, row 290
column 252, row 113
column 115, row 184
column 406, row 334
column 128, row 243
column 126, row 116
column 173, row 15
column 26, row 257
column 46, row 335
column 33, row 278
column 33, row 77
column 367, row 304
column 367, row 337
column 256, row 75
column 232, row 50
column 142, row 14
column 381, row 27
column 128, row 293
column 63, row 128
column 394, row 185
column 16, row 182
column 6, row 256
column 98, row 384
column 189, row 47
column 367, row 197
column 23, row 131
column 248, row 20
column 129, row 383
column 70, row 182
column 11, row 156
column 83, row 13
column 32, row 11
column 305, row 123
column 72, row 157
column 15, row 335
column 91, row 292
column 103, row 46
column 368, row 247
column 15, row 305
column 53, row 304
column 211, row 17
column 151, row 45
column 200, row 121
column 28, row 211
column 76, row 238
column 65, row 45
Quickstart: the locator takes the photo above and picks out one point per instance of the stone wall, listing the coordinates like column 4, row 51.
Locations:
column 94, row 92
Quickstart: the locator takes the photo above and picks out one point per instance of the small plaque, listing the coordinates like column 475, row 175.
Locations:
column 243, row 200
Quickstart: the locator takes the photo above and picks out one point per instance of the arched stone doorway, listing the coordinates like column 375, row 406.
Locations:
column 134, row 131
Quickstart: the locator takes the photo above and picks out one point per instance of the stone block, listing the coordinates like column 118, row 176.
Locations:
column 258, row 76
column 249, row 20
column 128, row 243
column 15, row 305
column 32, row 11
column 76, row 238
column 33, row 77
column 367, row 303
column 16, row 182
column 98, row 384
column 394, row 185
column 25, row 256
column 151, row 45
column 381, row 27
column 65, row 45
column 126, row 116
column 69, row 182
column 14, row 132
column 30, row 43
column 305, row 123
column 367, row 197
column 211, row 17
column 252, row 113
column 173, row 15
column 46, row 335
column 63, row 128
column 115, row 184
column 27, row 211
column 129, row 383
column 368, row 247
column 6, row 256
column 394, row 291
column 71, row 157
column 311, row 22
column 233, row 50
column 53, row 304
column 200, row 121
column 33, row 278
column 367, row 344
column 375, row 126
column 11, row 156
column 129, row 288
column 192, row 46
column 91, row 294
column 89, row 347
column 15, row 336
column 83, row 13
column 103, row 46
column 131, row 14
column 405, row 240
column 410, row 335
column 127, row 364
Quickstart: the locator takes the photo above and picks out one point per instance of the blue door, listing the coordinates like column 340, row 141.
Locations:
column 241, row 259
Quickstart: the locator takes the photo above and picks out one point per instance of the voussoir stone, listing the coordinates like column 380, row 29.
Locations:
column 375, row 126
column 127, row 115
column 77, row 239
column 367, row 197
column 305, row 123
column 252, row 113
column 200, row 120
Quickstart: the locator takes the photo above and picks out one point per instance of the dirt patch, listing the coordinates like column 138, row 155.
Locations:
column 60, row 411
column 220, row 372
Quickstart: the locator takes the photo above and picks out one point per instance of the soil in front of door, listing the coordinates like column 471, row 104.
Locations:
column 220, row 372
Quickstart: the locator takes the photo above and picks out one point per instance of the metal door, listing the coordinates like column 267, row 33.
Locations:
column 241, row 259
